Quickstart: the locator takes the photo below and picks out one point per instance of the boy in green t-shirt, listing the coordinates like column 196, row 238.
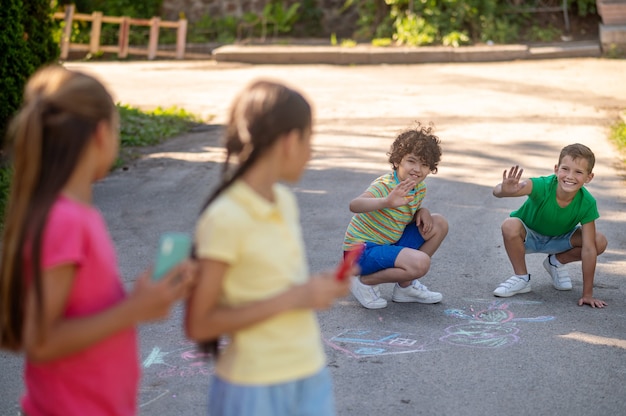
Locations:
column 558, row 219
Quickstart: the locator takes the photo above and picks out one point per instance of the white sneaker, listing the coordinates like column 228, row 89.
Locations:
column 561, row 279
column 368, row 296
column 416, row 292
column 512, row 286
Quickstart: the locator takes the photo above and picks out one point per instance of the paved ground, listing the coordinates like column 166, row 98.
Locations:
column 472, row 354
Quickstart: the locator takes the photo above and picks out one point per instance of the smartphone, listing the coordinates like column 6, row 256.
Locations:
column 173, row 248
column 349, row 259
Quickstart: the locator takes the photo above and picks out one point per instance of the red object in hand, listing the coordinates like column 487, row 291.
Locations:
column 348, row 261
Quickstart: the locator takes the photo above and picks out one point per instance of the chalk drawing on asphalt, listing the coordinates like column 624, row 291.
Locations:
column 363, row 343
column 493, row 326
column 150, row 395
column 490, row 324
column 184, row 361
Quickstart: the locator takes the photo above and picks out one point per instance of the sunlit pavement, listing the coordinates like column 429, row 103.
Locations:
column 472, row 354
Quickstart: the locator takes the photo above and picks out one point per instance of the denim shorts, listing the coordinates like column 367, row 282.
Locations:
column 378, row 257
column 539, row 243
column 310, row 396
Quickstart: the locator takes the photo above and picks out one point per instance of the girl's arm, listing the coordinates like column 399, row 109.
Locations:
column 398, row 197
column 57, row 337
column 206, row 319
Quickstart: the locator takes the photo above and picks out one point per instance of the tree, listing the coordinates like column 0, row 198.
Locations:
column 26, row 44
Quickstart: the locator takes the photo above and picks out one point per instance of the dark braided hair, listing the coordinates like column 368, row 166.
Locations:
column 261, row 114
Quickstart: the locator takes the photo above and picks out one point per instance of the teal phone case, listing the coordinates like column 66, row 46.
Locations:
column 173, row 248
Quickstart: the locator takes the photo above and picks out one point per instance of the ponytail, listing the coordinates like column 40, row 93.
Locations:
column 60, row 113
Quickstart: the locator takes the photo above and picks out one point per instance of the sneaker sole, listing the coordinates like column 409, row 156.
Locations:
column 380, row 305
column 413, row 300
column 508, row 295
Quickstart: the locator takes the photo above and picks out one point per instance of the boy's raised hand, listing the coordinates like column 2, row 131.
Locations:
column 511, row 184
column 398, row 195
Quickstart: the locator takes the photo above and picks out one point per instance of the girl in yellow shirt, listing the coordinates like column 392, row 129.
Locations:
column 254, row 286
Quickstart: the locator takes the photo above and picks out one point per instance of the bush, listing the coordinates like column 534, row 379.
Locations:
column 454, row 22
column 26, row 44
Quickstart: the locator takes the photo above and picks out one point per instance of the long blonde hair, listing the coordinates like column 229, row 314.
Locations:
column 60, row 112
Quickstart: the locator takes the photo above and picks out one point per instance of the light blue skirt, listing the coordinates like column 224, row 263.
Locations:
column 311, row 396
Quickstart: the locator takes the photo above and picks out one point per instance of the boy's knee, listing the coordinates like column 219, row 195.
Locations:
column 601, row 243
column 418, row 265
column 511, row 227
column 441, row 223
column 419, row 270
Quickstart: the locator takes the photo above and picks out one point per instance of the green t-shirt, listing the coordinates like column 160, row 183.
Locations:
column 541, row 213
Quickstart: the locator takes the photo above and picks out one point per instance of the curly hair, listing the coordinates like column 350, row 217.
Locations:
column 419, row 141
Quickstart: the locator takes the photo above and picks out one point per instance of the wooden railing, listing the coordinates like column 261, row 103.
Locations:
column 123, row 49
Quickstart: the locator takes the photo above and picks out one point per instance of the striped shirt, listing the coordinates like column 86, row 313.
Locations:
column 384, row 226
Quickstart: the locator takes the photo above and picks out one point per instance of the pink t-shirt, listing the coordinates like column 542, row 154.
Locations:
column 103, row 379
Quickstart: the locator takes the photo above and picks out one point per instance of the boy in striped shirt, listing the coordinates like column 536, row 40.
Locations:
column 400, row 236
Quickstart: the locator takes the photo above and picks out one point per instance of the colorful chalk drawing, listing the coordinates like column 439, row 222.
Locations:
column 363, row 343
column 492, row 326
column 184, row 361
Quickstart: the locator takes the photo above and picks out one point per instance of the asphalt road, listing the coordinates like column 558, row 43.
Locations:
column 472, row 354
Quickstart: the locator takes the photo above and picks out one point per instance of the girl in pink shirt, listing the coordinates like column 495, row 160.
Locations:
column 62, row 299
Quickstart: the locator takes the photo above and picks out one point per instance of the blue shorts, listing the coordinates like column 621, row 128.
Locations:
column 310, row 396
column 378, row 257
column 539, row 243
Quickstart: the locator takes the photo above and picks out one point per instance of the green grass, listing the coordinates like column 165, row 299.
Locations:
column 138, row 128
column 147, row 128
column 618, row 133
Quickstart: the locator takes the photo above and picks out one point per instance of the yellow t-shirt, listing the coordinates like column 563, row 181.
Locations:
column 262, row 243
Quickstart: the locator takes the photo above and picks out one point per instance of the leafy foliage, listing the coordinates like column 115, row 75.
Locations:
column 310, row 21
column 209, row 28
column 5, row 183
column 452, row 22
column 132, row 8
column 26, row 44
column 280, row 18
column 412, row 30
